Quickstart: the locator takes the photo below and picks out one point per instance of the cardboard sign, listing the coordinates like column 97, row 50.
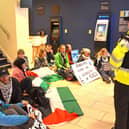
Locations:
column 85, row 71
column 75, row 55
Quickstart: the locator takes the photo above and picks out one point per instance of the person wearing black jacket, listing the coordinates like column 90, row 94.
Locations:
column 10, row 91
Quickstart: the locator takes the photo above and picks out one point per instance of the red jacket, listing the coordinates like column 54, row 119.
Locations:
column 69, row 57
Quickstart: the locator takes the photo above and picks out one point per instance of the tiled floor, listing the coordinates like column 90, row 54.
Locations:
column 96, row 101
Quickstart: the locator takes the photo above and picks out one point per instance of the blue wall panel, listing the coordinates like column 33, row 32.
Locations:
column 77, row 16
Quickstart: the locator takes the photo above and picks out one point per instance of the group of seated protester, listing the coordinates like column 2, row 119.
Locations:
column 63, row 61
column 10, row 93
column 13, row 105
column 45, row 57
column 15, row 88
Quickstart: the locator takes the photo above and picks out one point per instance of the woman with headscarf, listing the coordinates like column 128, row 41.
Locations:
column 20, row 75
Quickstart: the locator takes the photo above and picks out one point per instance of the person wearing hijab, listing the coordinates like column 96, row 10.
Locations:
column 19, row 69
column 20, row 75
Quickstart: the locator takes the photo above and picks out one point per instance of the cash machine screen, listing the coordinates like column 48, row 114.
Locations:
column 101, row 30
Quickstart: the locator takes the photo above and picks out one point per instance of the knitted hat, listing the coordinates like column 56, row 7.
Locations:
column 3, row 72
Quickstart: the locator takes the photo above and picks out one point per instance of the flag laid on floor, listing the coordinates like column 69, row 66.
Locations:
column 62, row 102
column 59, row 116
column 62, row 98
column 43, row 71
column 45, row 81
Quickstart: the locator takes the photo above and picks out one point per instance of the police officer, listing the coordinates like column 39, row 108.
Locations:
column 120, row 61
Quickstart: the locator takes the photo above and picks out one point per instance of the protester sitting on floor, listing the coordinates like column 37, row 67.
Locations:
column 12, row 116
column 21, row 54
column 103, row 66
column 10, row 91
column 68, row 51
column 85, row 54
column 62, row 63
column 20, row 75
column 41, row 60
column 50, row 56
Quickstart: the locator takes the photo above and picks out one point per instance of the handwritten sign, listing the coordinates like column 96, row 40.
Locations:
column 85, row 71
column 75, row 55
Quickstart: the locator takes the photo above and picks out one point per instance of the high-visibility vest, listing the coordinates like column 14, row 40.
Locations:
column 120, row 62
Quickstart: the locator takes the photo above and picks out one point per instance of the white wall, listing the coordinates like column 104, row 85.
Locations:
column 22, row 30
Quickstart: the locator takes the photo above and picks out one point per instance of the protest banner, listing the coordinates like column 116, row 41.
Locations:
column 85, row 71
column 75, row 55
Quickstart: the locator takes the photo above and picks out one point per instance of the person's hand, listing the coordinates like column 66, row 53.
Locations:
column 25, row 103
column 32, row 115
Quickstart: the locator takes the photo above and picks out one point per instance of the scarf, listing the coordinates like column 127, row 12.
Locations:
column 6, row 90
column 63, row 55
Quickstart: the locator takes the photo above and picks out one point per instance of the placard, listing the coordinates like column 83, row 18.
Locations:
column 85, row 71
column 75, row 55
column 124, row 21
column 105, row 6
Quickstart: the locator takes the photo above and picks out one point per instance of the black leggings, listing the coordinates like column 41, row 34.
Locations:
column 121, row 102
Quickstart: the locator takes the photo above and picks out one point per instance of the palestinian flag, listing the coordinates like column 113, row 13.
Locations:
column 64, row 106
column 45, row 81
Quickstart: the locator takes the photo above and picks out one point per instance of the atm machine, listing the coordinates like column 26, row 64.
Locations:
column 102, row 33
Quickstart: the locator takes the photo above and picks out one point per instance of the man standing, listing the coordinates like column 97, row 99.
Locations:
column 120, row 61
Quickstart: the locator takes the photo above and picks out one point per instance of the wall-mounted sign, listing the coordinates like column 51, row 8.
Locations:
column 55, row 9
column 40, row 10
column 124, row 21
column 105, row 6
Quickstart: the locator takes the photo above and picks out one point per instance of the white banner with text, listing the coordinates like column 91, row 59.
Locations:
column 85, row 71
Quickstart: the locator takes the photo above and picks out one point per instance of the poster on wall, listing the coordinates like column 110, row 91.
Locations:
column 101, row 30
column 85, row 72
column 124, row 21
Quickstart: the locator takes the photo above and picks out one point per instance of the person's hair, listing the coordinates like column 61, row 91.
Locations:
column 20, row 51
column 41, row 52
column 67, row 46
column 100, row 53
column 48, row 46
column 18, row 63
column 85, row 50
column 61, row 46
